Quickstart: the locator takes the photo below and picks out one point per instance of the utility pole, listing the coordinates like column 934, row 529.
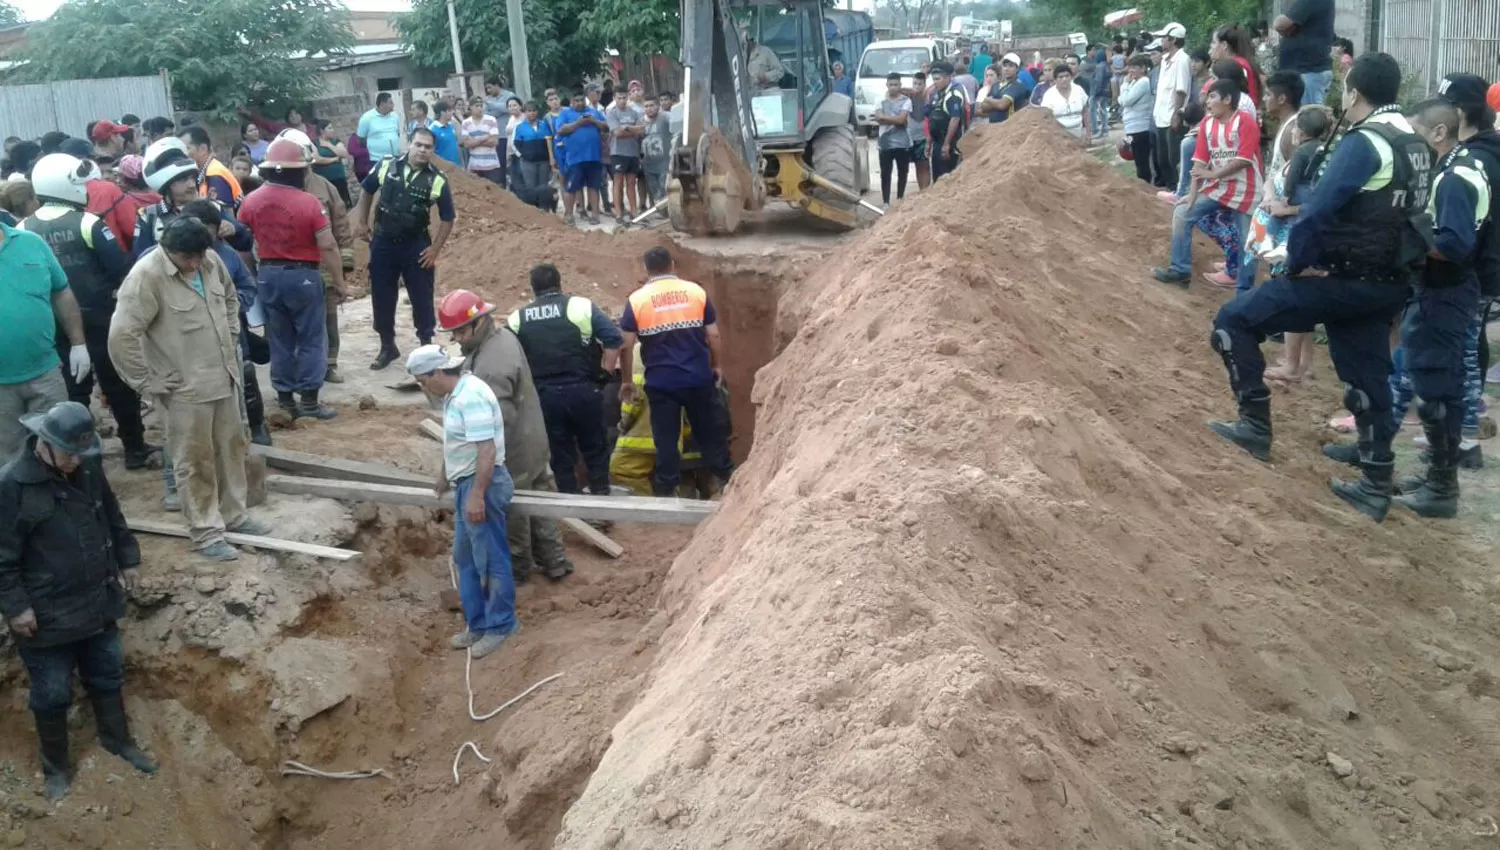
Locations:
column 520, row 62
column 458, row 54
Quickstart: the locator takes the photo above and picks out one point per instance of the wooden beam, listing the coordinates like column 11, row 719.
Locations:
column 431, row 429
column 596, row 538
column 611, row 508
column 276, row 544
column 319, row 466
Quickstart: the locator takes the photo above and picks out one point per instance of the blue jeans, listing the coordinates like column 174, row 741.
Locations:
column 485, row 585
column 1357, row 316
column 1185, row 165
column 296, row 326
column 1315, row 86
column 99, row 660
column 1244, row 279
column 1473, row 375
column 1099, row 114
column 1185, row 218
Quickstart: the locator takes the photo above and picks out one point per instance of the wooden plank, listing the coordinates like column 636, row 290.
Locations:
column 612, row 508
column 431, row 429
column 276, row 544
column 319, row 466
column 596, row 538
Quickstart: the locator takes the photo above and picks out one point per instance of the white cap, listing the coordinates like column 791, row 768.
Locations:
column 1154, row 46
column 1174, row 29
column 1012, row 59
column 431, row 358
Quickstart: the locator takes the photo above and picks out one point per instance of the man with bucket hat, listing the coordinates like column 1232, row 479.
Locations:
column 67, row 559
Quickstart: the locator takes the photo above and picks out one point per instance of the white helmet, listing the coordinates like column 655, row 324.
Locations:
column 292, row 134
column 167, row 160
column 59, row 177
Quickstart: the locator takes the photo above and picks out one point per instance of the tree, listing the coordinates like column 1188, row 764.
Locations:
column 642, row 27
column 219, row 54
column 562, row 49
column 9, row 15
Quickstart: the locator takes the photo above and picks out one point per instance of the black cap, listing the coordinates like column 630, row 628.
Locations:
column 1465, row 91
column 942, row 67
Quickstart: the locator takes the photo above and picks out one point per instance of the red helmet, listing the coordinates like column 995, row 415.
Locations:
column 460, row 307
column 1126, row 152
column 285, row 153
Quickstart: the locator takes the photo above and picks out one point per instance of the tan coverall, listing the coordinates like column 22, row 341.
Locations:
column 338, row 221
column 182, row 348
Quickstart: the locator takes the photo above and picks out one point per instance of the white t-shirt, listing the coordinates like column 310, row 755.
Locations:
column 1067, row 110
column 1176, row 75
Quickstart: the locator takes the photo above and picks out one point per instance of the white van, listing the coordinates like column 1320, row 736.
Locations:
column 903, row 56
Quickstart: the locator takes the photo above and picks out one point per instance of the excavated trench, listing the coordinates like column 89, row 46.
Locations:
column 368, row 638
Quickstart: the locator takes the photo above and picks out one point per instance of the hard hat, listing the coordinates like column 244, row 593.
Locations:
column 59, row 177
column 292, row 134
column 166, row 161
column 1493, row 97
column 1125, row 151
column 460, row 307
column 68, row 427
column 285, row 153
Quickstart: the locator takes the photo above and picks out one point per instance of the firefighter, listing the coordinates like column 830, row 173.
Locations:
column 294, row 239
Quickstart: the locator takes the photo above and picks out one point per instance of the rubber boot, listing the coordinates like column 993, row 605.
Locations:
column 1347, row 453
column 1252, row 431
column 255, row 408
column 1371, row 494
column 310, row 408
column 114, row 730
column 287, row 402
column 52, row 739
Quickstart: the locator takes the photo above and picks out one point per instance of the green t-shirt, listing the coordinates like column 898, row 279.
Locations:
column 335, row 173
column 31, row 275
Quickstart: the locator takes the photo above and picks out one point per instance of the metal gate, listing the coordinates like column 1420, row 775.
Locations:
column 69, row 106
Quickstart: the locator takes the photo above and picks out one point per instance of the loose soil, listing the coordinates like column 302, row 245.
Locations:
column 984, row 581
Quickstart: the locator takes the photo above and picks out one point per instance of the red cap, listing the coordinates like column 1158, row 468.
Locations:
column 106, row 128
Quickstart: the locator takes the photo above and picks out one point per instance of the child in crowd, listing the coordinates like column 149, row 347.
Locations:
column 1274, row 220
column 894, row 118
column 242, row 168
column 1225, row 176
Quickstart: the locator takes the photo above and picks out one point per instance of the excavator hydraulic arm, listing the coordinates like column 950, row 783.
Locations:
column 715, row 165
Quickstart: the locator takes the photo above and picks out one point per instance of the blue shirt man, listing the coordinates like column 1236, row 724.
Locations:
column 380, row 128
column 445, row 135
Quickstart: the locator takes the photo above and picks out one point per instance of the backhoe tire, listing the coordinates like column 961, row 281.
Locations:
column 835, row 157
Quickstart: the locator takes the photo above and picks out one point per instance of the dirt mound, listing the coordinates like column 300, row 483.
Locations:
column 987, row 581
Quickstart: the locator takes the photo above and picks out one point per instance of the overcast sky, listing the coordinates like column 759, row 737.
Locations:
column 36, row 10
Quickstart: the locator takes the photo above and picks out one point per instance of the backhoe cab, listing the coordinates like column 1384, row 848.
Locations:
column 760, row 118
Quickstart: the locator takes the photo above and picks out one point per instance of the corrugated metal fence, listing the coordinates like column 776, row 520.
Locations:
column 29, row 111
column 1430, row 38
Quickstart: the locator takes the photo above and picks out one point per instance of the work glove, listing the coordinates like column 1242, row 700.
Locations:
column 79, row 363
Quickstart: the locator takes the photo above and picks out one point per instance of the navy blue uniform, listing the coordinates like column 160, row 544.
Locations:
column 398, row 242
column 1363, row 224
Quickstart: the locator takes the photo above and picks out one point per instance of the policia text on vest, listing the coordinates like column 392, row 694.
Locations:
column 565, row 338
column 403, row 251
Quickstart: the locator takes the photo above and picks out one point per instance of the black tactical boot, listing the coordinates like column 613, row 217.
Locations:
column 1371, row 494
column 388, row 355
column 1342, row 452
column 287, row 402
column 114, row 730
column 1252, row 431
column 1437, row 498
column 52, row 738
column 310, row 408
column 142, row 457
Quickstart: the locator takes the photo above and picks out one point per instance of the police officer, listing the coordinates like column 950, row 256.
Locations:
column 408, row 187
column 1434, row 331
column 1351, row 261
column 567, row 338
column 293, row 238
column 86, row 249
